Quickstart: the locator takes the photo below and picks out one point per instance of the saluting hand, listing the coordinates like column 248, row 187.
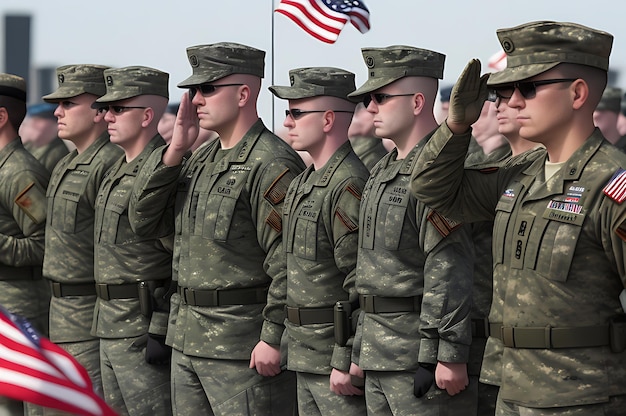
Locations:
column 467, row 98
column 185, row 133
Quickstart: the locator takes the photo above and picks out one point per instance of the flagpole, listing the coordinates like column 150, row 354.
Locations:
column 272, row 66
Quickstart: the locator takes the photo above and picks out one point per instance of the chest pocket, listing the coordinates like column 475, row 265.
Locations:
column 65, row 215
column 391, row 218
column 556, row 234
column 306, row 233
column 504, row 208
column 216, row 209
column 116, row 227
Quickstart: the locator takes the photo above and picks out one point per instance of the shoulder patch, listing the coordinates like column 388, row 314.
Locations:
column 616, row 188
column 274, row 220
column 32, row 201
column 346, row 220
column 354, row 190
column 278, row 189
column 443, row 224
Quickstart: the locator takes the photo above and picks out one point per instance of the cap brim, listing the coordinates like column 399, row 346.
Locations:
column 197, row 79
column 114, row 96
column 371, row 85
column 61, row 94
column 518, row 73
column 291, row 93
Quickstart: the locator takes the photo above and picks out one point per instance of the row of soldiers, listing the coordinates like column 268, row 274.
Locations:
column 234, row 280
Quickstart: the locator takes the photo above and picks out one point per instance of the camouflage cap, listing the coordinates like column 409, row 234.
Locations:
column 535, row 47
column 133, row 81
column 13, row 86
column 75, row 80
column 315, row 82
column 611, row 100
column 386, row 65
column 212, row 62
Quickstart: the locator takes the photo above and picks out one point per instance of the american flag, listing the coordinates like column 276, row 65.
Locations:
column 35, row 370
column 616, row 188
column 324, row 19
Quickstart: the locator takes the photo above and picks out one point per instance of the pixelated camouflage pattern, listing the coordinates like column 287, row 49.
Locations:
column 389, row 64
column 13, row 86
column 535, row 47
column 549, row 270
column 69, row 254
column 315, row 398
column 212, row 62
column 369, row 149
column 49, row 154
column 320, row 223
column 315, row 82
column 402, row 254
column 122, row 256
column 132, row 81
column 227, row 240
column 131, row 385
column 75, row 80
column 21, row 239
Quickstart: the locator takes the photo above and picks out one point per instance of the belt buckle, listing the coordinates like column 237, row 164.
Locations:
column 102, row 289
column 189, row 296
column 56, row 289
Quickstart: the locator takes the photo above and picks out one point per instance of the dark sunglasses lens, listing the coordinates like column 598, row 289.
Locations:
column 367, row 99
column 117, row 109
column 207, row 88
column 504, row 92
column 527, row 89
column 379, row 98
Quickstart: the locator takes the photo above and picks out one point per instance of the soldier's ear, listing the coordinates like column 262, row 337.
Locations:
column 4, row 117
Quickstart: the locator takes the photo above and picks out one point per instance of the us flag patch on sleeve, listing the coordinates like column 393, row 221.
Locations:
column 616, row 188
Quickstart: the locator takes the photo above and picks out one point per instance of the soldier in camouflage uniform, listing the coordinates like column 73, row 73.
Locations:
column 228, row 200
column 606, row 115
column 558, row 330
column 414, row 268
column 369, row 148
column 39, row 135
column 69, row 259
column 23, row 183
column 320, row 235
column 132, row 272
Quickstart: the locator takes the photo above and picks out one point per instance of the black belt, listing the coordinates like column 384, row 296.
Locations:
column 124, row 291
column 60, row 290
column 310, row 316
column 19, row 273
column 223, row 297
column 381, row 304
column 548, row 337
column 480, row 328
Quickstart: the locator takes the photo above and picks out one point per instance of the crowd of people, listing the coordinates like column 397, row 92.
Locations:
column 374, row 256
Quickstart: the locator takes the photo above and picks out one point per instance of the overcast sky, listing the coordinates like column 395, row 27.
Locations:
column 156, row 33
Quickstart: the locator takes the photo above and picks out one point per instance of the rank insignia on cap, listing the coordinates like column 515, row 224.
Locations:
column 109, row 80
column 616, row 188
column 61, row 78
column 369, row 61
column 193, row 60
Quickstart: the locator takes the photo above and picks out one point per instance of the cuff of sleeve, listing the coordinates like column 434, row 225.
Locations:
column 453, row 352
column 428, row 350
column 341, row 358
column 272, row 332
column 158, row 323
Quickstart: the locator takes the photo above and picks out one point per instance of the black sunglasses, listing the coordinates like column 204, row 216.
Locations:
column 528, row 89
column 296, row 113
column 116, row 109
column 381, row 98
column 206, row 89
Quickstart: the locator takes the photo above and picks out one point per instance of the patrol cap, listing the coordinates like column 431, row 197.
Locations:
column 133, row 81
column 13, row 86
column 611, row 100
column 386, row 65
column 75, row 80
column 315, row 82
column 212, row 62
column 535, row 47
column 43, row 110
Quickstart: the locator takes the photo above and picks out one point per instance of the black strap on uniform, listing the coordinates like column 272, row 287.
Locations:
column 219, row 297
column 309, row 316
column 381, row 304
column 548, row 337
column 60, row 290
column 124, row 291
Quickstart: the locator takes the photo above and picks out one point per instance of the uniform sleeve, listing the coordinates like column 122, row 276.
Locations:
column 151, row 205
column 445, row 322
column 22, row 225
column 345, row 220
column 267, row 210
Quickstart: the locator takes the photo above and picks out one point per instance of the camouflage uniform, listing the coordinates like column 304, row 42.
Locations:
column 320, row 234
column 556, row 320
column 23, row 183
column 369, row 149
column 50, row 154
column 69, row 260
column 414, row 271
column 127, row 267
column 228, row 204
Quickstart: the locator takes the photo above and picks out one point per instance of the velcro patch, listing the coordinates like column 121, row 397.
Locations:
column 32, row 201
column 443, row 224
column 346, row 220
column 274, row 220
column 278, row 189
column 616, row 188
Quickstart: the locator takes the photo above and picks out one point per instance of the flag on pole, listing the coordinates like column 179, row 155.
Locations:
column 324, row 19
column 35, row 370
